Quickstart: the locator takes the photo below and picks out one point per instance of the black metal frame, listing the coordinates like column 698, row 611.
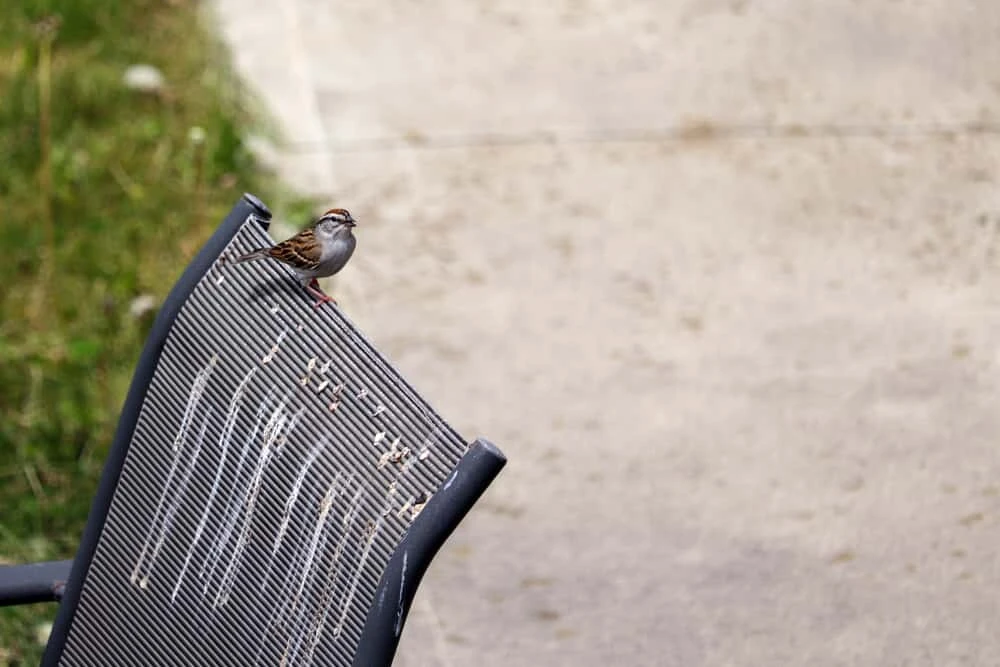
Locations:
column 63, row 580
column 34, row 582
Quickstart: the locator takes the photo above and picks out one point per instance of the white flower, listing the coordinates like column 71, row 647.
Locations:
column 141, row 305
column 144, row 78
column 196, row 135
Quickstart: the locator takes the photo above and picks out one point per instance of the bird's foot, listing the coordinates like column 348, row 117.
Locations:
column 321, row 296
column 320, row 300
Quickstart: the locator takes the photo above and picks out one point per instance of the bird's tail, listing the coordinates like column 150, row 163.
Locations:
column 259, row 253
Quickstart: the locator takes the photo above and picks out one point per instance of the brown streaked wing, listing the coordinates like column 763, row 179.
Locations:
column 301, row 251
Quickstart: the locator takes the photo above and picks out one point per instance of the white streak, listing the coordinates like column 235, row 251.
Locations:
column 161, row 527
column 249, row 505
column 294, row 495
column 194, row 398
column 232, row 507
column 274, row 348
column 226, row 437
column 305, row 603
column 275, row 434
column 399, row 602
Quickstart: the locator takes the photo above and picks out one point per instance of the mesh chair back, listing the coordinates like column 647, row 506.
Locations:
column 267, row 468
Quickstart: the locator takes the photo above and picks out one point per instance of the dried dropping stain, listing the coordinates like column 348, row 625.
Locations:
column 166, row 510
column 269, row 357
column 225, row 438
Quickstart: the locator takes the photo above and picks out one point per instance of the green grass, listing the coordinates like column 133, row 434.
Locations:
column 103, row 197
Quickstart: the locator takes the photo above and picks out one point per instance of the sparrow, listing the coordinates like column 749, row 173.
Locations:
column 318, row 251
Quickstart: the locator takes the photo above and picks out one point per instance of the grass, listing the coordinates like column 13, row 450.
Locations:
column 105, row 195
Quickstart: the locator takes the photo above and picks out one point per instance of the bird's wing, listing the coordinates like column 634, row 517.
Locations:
column 302, row 251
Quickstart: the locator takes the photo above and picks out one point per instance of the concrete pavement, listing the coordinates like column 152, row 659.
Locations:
column 722, row 280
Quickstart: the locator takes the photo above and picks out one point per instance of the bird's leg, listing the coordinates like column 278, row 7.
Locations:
column 321, row 296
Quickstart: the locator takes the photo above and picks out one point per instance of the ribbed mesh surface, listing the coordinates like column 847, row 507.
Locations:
column 276, row 464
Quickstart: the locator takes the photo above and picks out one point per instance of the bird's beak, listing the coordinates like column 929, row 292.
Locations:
column 351, row 222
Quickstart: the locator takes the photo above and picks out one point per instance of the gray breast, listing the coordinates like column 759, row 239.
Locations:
column 336, row 256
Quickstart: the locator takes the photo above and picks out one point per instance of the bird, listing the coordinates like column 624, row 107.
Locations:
column 318, row 251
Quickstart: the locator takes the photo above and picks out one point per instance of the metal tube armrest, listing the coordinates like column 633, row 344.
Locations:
column 34, row 582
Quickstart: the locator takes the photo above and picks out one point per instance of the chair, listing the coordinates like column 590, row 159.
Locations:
column 274, row 492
